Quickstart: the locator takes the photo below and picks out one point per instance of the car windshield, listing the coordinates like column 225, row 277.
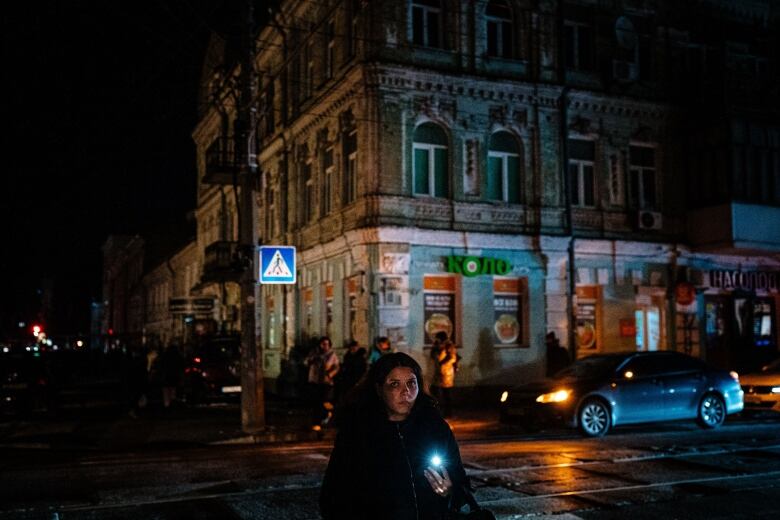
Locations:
column 593, row 366
column 773, row 367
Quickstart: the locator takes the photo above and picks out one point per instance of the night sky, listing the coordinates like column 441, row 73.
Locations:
column 100, row 102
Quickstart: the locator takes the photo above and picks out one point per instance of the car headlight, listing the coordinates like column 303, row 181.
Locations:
column 504, row 396
column 554, row 397
column 776, row 389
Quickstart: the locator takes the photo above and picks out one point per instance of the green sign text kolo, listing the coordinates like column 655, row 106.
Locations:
column 474, row 265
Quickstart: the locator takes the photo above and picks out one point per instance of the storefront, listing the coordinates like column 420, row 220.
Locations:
column 739, row 317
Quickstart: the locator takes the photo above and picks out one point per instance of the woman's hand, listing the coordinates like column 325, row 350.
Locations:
column 440, row 482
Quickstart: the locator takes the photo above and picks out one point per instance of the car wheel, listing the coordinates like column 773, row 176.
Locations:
column 712, row 411
column 593, row 418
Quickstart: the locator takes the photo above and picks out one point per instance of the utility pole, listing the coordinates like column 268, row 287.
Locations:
column 252, row 399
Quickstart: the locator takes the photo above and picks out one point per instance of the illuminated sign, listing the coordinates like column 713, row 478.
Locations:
column 475, row 265
column 746, row 281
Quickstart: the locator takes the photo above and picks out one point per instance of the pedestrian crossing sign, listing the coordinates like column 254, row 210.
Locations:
column 277, row 264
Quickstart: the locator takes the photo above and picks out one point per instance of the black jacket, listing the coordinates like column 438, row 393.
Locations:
column 376, row 468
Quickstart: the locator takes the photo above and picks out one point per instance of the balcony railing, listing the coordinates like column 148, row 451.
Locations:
column 221, row 163
column 221, row 263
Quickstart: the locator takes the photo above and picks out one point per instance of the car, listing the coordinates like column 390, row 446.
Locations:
column 762, row 388
column 24, row 384
column 213, row 371
column 599, row 392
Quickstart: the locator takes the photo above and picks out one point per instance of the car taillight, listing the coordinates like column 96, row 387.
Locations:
column 734, row 376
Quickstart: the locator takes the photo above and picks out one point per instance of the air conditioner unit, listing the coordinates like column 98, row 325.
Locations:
column 649, row 220
column 624, row 70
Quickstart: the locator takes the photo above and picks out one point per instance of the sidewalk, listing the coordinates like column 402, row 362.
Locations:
column 191, row 426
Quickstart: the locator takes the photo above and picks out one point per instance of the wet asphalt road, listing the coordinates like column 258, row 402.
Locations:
column 664, row 471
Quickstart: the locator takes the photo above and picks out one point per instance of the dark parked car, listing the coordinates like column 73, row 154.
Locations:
column 598, row 392
column 213, row 371
column 24, row 383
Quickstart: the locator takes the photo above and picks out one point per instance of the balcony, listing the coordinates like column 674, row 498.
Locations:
column 221, row 163
column 735, row 228
column 221, row 263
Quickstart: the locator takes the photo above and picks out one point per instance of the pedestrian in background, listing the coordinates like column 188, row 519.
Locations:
column 172, row 367
column 557, row 356
column 353, row 366
column 394, row 456
column 323, row 366
column 381, row 348
column 445, row 365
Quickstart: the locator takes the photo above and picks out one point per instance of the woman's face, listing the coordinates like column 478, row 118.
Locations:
column 399, row 392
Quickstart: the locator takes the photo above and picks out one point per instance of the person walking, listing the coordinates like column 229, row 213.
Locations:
column 353, row 366
column 381, row 348
column 323, row 366
column 394, row 456
column 445, row 365
column 172, row 367
column 557, row 356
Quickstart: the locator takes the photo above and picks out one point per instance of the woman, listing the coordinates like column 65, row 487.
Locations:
column 395, row 457
column 445, row 363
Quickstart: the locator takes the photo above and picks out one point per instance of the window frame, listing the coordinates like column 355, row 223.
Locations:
column 308, row 191
column 328, row 174
column 579, row 183
column 576, row 43
column 636, row 175
column 330, row 49
column 430, row 150
column 427, row 33
column 501, row 25
column 350, row 165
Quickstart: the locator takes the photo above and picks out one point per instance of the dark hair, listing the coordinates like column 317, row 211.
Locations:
column 365, row 398
column 352, row 343
column 325, row 338
column 441, row 336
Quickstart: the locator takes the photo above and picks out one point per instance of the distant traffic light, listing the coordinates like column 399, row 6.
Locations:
column 36, row 330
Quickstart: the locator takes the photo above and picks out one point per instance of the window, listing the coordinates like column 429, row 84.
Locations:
column 499, row 29
column 353, row 26
column 426, row 23
column 642, row 177
column 578, row 46
column 330, row 49
column 267, row 103
column 270, row 221
column 308, row 193
column 582, row 154
column 503, row 178
column 327, row 180
column 429, row 169
column 350, row 166
column 307, row 66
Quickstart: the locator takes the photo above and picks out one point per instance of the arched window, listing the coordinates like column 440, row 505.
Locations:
column 498, row 16
column 503, row 178
column 430, row 169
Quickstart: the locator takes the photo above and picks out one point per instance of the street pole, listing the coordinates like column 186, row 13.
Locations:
column 252, row 399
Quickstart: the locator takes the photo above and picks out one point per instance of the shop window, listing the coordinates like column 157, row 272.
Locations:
column 499, row 29
column 578, row 50
column 430, row 168
column 439, row 314
column 328, row 309
column 509, row 312
column 588, row 319
column 426, row 23
column 642, row 177
column 392, row 291
column 582, row 155
column 503, row 178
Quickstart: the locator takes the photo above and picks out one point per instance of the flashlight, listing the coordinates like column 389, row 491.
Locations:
column 436, row 460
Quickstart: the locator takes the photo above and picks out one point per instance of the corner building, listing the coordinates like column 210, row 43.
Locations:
column 499, row 169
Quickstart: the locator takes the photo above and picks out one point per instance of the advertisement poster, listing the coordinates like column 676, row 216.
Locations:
column 508, row 312
column 308, row 306
column 587, row 320
column 353, row 291
column 439, row 307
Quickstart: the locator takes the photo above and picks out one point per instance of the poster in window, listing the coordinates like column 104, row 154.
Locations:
column 587, row 319
column 508, row 312
column 353, row 291
column 269, row 302
column 439, row 307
